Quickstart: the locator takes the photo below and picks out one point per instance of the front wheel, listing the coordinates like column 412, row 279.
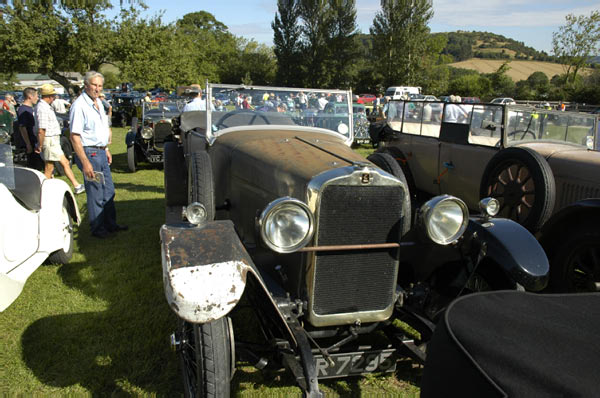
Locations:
column 64, row 254
column 131, row 158
column 575, row 267
column 206, row 358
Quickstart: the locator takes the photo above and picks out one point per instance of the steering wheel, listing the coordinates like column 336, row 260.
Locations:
column 221, row 123
column 525, row 132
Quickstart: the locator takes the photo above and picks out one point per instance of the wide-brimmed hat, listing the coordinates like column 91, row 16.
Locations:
column 47, row 89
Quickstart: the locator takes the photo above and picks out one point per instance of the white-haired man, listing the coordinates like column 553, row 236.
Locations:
column 91, row 136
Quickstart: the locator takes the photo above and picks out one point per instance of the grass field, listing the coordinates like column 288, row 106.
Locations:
column 99, row 326
column 519, row 70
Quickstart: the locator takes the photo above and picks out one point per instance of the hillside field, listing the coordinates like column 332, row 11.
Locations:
column 519, row 70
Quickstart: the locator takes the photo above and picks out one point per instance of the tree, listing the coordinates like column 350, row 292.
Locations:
column 344, row 49
column 501, row 84
column 53, row 39
column 576, row 42
column 399, row 33
column 316, row 18
column 286, row 43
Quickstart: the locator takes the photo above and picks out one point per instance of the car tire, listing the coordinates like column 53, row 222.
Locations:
column 200, row 182
column 387, row 163
column 206, row 358
column 575, row 265
column 64, row 255
column 175, row 175
column 131, row 158
column 522, row 181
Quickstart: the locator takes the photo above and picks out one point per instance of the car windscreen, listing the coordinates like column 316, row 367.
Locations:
column 163, row 109
column 7, row 172
column 234, row 106
column 553, row 126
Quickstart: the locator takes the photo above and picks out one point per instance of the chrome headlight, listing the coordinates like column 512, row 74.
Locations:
column 444, row 218
column 147, row 133
column 4, row 137
column 195, row 213
column 286, row 225
column 489, row 206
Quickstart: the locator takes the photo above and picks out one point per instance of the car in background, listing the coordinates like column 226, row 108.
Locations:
column 471, row 100
column 283, row 247
column 503, row 101
column 430, row 98
column 38, row 215
column 124, row 108
column 147, row 137
column 542, row 165
column 366, row 98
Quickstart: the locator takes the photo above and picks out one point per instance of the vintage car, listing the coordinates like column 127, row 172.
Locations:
column 124, row 108
column 146, row 139
column 38, row 215
column 273, row 213
column 542, row 165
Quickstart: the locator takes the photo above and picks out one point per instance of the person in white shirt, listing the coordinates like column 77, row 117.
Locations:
column 198, row 103
column 60, row 105
column 48, row 131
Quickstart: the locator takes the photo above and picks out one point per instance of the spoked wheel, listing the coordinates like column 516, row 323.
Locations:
column 64, row 254
column 523, row 183
column 576, row 265
column 207, row 358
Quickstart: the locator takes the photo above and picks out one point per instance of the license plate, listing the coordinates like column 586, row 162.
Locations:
column 155, row 158
column 356, row 363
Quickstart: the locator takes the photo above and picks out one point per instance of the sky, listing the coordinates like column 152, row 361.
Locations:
column 529, row 21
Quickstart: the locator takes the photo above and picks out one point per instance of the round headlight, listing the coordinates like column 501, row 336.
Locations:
column 4, row 137
column 147, row 133
column 489, row 206
column 286, row 225
column 196, row 213
column 445, row 219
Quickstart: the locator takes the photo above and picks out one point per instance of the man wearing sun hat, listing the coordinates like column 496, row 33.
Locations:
column 48, row 132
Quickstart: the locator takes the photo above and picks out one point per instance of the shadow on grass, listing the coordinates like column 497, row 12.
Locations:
column 119, row 164
column 122, row 348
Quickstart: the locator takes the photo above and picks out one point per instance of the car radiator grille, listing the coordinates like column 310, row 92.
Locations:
column 356, row 280
column 161, row 131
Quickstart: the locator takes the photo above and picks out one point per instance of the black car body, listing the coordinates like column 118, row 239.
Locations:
column 321, row 244
column 124, row 108
column 145, row 141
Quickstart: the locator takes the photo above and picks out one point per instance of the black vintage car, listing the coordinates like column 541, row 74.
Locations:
column 124, row 108
column 146, row 139
column 269, row 214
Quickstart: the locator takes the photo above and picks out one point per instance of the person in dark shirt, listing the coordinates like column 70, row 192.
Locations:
column 26, row 123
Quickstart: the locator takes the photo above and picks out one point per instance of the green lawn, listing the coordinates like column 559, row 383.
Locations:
column 100, row 325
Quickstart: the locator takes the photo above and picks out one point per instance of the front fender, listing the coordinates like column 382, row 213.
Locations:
column 130, row 138
column 205, row 270
column 515, row 250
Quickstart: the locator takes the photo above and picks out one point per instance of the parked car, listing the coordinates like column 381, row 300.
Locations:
column 503, row 101
column 471, row 100
column 38, row 215
column 360, row 124
column 366, row 98
column 542, row 165
column 124, row 108
column 320, row 244
column 146, row 139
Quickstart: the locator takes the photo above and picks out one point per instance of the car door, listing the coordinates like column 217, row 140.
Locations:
column 466, row 148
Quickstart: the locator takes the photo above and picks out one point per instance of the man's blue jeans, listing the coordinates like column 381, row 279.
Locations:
column 100, row 197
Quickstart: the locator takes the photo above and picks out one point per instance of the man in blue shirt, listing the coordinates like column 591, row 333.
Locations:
column 91, row 136
column 26, row 122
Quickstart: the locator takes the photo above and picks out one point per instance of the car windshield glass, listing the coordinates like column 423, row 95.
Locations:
column 7, row 172
column 163, row 109
column 554, row 126
column 233, row 106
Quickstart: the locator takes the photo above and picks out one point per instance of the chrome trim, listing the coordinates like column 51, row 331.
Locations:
column 348, row 175
column 273, row 206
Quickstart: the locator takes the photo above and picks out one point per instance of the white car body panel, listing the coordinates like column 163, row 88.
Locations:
column 28, row 237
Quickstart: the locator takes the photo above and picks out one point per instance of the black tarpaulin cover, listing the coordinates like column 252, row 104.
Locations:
column 516, row 344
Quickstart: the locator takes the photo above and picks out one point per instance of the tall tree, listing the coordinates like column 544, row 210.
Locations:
column 343, row 45
column 399, row 33
column 286, row 43
column 577, row 41
column 317, row 18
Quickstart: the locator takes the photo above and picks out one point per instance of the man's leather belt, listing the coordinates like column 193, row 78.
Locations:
column 95, row 146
